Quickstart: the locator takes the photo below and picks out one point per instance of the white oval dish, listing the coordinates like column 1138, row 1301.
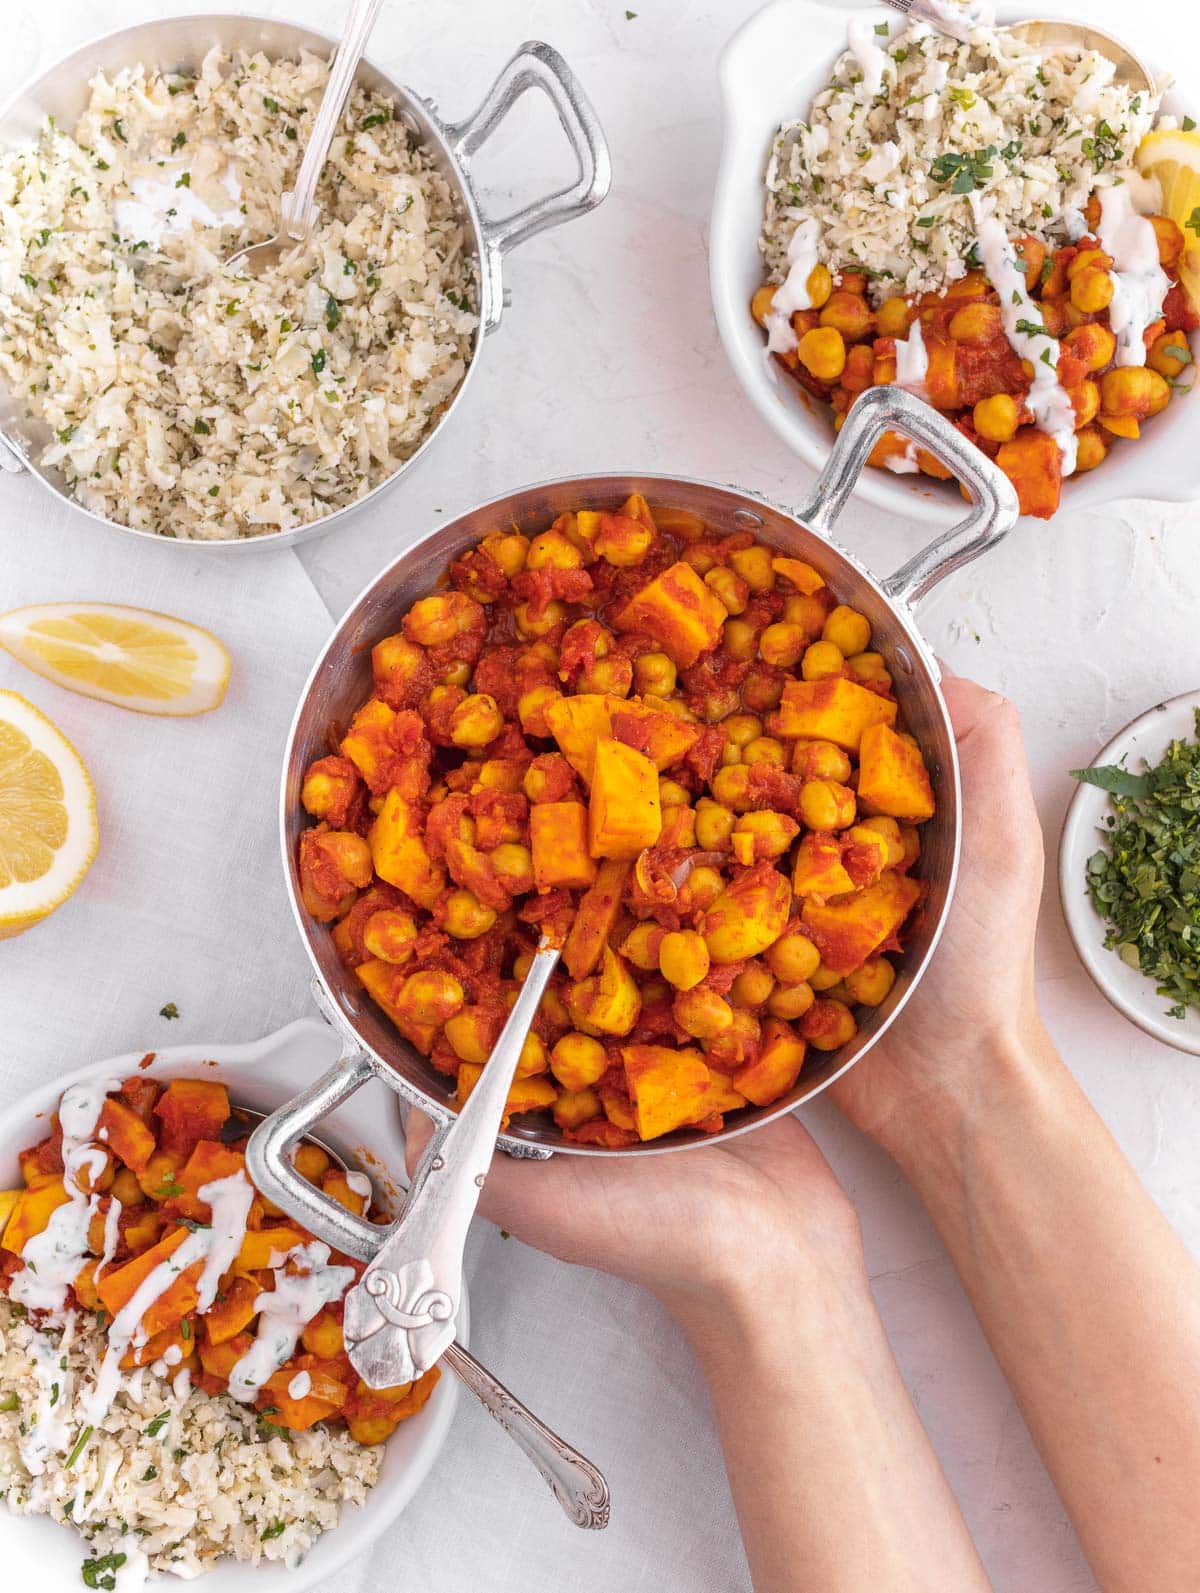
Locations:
column 366, row 1131
column 769, row 73
column 1133, row 995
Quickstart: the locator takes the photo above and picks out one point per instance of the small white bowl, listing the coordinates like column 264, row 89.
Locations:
column 769, row 73
column 365, row 1130
column 1146, row 737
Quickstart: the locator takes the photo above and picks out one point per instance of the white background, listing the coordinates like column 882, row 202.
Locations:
column 607, row 359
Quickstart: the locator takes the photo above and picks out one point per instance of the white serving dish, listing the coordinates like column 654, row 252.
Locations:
column 366, row 1131
column 1133, row 995
column 769, row 73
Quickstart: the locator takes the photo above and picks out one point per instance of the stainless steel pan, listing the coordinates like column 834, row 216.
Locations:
column 341, row 679
column 183, row 42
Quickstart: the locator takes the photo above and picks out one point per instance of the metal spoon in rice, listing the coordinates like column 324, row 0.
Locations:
column 1051, row 37
column 576, row 1483
column 298, row 209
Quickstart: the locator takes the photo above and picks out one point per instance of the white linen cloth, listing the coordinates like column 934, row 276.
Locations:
column 607, row 359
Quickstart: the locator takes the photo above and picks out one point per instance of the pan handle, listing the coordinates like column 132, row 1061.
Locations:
column 994, row 507
column 538, row 66
column 12, row 460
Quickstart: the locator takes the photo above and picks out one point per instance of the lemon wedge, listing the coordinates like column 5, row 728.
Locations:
column 1173, row 156
column 48, row 828
column 133, row 657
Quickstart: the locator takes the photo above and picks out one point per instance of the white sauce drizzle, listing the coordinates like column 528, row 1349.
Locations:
column 285, row 1312
column 361, row 1185
column 871, row 59
column 1139, row 282
column 912, row 361
column 48, row 1427
column 145, row 218
column 792, row 293
column 300, row 1386
column 1048, row 399
column 904, row 464
column 112, row 1234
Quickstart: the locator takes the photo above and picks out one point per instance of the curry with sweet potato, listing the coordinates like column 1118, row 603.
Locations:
column 671, row 750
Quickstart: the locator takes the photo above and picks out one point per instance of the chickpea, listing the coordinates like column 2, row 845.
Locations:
column 739, row 640
column 1088, row 260
column 534, row 1057
column 1055, row 320
column 702, row 1013
column 820, row 760
column 466, row 918
column 310, row 1161
column 822, row 352
column 126, row 1188
column 1086, row 401
column 677, row 708
column 976, row 323
column 578, row 1061
column 700, row 890
column 610, row 677
column 476, row 721
column 819, row 285
column 729, row 587
column 1170, row 355
column 848, row 630
column 1094, row 344
column 996, row 418
column 433, row 621
column 808, row 612
column 849, row 314
column 890, row 831
column 828, row 1025
column 824, row 978
column 529, row 624
column 1132, row 390
column 761, row 691
column 470, row 1035
column 754, row 566
column 762, row 301
column 622, row 541
column 514, row 867
column 654, row 674
column 752, row 986
column 431, row 997
column 508, row 549
column 765, row 749
column 552, row 551
column 826, row 805
column 869, row 985
column 640, row 946
column 1031, row 253
column 892, row 318
column 822, row 660
column 741, row 729
column 683, row 958
column 673, row 795
column 531, row 709
column 522, row 963
column 782, row 644
column 793, row 959
column 869, row 666
column 700, row 556
column 769, row 833
column 390, row 935
column 790, row 1001
column 714, row 824
column 1092, row 449
column 1170, row 240
column 1092, row 291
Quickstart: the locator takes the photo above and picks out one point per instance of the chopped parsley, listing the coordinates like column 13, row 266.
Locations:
column 376, row 119
column 1188, row 124
column 964, row 173
column 204, row 430
column 10, row 1401
column 150, row 1473
column 184, row 180
column 333, row 312
column 961, row 96
column 318, row 362
column 1102, row 150
column 1146, row 882
column 179, row 141
column 270, row 105
column 275, row 1530
column 171, row 1010
column 119, row 131
column 1032, row 328
column 1178, row 351
column 102, row 1573
column 169, row 1189
column 157, row 1425
column 881, row 28
column 1193, row 222
column 81, row 1444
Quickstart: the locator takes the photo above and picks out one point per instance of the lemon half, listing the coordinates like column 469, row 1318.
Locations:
column 133, row 657
column 1173, row 156
column 48, row 829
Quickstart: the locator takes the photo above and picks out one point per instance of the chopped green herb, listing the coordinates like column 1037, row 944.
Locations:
column 30, row 282
column 1193, row 221
column 10, row 1401
column 333, row 312
column 65, row 434
column 275, row 1530
column 1032, row 328
column 212, row 492
column 881, row 28
column 900, row 56
column 1188, row 124
column 1146, row 882
column 965, row 173
column 184, row 180
column 169, row 1189
column 171, row 1010
column 926, row 221
column 44, row 236
column 119, row 132
column 961, row 96
column 81, row 1444
column 1045, row 357
column 318, row 362
column 349, row 268
column 376, row 119
column 53, row 1395
column 271, row 105
column 150, row 1473
column 157, row 1425
column 290, row 132
column 631, row 16
column 101, row 1573
column 205, row 430
column 1177, row 351
column 179, row 141
column 185, row 1327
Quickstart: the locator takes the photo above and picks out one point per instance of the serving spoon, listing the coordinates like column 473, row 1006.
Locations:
column 298, row 207
column 577, row 1484
column 1045, row 35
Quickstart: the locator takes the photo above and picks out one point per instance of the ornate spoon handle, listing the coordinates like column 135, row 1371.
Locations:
column 578, row 1486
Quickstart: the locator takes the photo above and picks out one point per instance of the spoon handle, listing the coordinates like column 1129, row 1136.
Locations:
column 939, row 17
column 298, row 208
column 399, row 1317
column 575, row 1482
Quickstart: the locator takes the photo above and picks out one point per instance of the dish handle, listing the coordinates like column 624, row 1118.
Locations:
column 536, row 66
column 12, row 460
column 994, row 508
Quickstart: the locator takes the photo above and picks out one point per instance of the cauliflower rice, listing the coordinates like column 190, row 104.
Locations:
column 172, row 1480
column 194, row 403
column 913, row 130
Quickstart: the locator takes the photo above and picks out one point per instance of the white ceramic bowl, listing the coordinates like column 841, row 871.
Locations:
column 1146, row 737
column 365, row 1130
column 769, row 73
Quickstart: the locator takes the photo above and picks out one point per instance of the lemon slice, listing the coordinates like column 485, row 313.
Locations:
column 1173, row 156
column 129, row 656
column 48, row 829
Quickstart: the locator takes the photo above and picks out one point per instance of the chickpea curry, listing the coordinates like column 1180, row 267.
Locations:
column 957, row 350
column 155, row 1181
column 670, row 750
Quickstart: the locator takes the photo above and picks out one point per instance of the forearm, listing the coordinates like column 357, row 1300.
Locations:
column 835, row 1483
column 1090, row 1301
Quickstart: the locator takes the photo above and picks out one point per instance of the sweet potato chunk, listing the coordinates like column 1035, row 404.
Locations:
column 558, row 841
column 681, row 613
column 191, row 1110
column 669, row 1088
column 892, row 778
column 578, row 724
column 226, row 1317
column 848, row 930
column 32, row 1210
column 595, row 918
column 260, row 1244
column 624, row 816
column 835, row 709
column 123, row 1131
column 661, row 736
column 398, row 851
column 117, row 1287
column 607, row 1003
column 819, row 870
column 209, row 1161
column 1032, row 461
column 776, row 1067
column 802, row 575
column 748, row 915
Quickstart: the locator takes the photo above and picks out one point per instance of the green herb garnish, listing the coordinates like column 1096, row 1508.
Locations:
column 171, row 1010
column 1193, row 221
column 966, row 172
column 184, row 181
column 275, row 1530
column 10, row 1402
column 157, row 1425
column 1188, row 124
column 1033, row 328
column 318, row 362
column 376, row 119
column 203, row 428
column 81, row 1444
column 102, row 1572
column 333, row 312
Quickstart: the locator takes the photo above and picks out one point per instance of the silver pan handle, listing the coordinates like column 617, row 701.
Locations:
column 994, row 507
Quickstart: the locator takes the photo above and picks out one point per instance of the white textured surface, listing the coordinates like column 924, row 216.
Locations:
column 607, row 358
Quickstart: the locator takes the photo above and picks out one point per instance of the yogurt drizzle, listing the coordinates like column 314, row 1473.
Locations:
column 284, row 1313
column 792, row 293
column 1139, row 282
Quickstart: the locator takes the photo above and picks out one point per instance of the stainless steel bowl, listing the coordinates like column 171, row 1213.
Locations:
column 341, row 679
column 182, row 42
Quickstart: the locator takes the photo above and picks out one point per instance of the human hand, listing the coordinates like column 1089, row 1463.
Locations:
column 977, row 997
column 695, row 1227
